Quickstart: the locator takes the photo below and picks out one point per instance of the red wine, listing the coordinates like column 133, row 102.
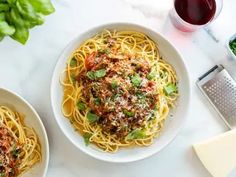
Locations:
column 197, row 12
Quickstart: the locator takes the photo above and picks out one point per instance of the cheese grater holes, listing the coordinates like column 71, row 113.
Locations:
column 221, row 91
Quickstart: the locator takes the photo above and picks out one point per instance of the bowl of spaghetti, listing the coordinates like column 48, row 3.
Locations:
column 24, row 149
column 120, row 92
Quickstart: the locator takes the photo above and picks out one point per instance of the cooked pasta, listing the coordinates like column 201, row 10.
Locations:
column 118, row 90
column 19, row 144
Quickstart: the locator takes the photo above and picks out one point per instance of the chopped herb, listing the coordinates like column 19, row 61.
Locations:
column 106, row 51
column 151, row 116
column 73, row 62
column 162, row 75
column 136, row 80
column 100, row 73
column 140, row 95
column 232, row 45
column 141, row 98
column 107, row 100
column 81, row 106
column 114, row 84
column 169, row 89
column 97, row 101
column 15, row 152
column 73, row 79
column 114, row 96
column 136, row 134
column 91, row 75
column 128, row 113
column 92, row 117
column 102, row 51
column 96, row 74
column 151, row 75
column 112, row 109
column 2, row 174
column 156, row 108
column 87, row 137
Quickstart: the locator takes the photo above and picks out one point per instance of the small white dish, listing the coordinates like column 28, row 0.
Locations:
column 32, row 120
column 228, row 47
column 172, row 126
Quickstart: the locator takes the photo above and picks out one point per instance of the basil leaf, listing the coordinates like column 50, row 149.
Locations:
column 100, row 73
column 128, row 113
column 43, row 6
column 21, row 35
column 114, row 96
column 11, row 1
column 73, row 62
column 136, row 134
column 97, row 101
column 104, row 51
column 92, row 117
column 81, row 106
column 114, row 84
column 96, row 74
column 151, row 75
column 6, row 29
column 1, row 37
column 2, row 16
column 73, row 78
column 4, row 7
column 136, row 80
column 140, row 95
column 169, row 89
column 15, row 152
column 15, row 18
column 86, row 137
column 91, row 75
column 163, row 75
column 156, row 108
column 232, row 45
column 28, row 12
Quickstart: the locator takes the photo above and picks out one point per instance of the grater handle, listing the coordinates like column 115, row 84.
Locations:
column 218, row 154
column 208, row 72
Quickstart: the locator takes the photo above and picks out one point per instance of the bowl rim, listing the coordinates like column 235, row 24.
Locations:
column 44, row 132
column 110, row 25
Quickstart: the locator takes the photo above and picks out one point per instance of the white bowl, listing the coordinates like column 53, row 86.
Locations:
column 174, row 123
column 33, row 120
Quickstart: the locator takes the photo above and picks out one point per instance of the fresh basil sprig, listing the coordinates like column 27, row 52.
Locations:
column 96, row 74
column 18, row 16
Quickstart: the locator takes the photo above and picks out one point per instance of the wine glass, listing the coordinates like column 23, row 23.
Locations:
column 190, row 15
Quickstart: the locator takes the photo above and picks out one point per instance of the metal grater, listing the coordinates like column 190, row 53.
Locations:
column 220, row 89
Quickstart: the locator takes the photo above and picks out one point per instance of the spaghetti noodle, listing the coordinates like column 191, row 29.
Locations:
column 118, row 90
column 19, row 145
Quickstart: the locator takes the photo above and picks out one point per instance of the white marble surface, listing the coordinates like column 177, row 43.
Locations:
column 27, row 70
